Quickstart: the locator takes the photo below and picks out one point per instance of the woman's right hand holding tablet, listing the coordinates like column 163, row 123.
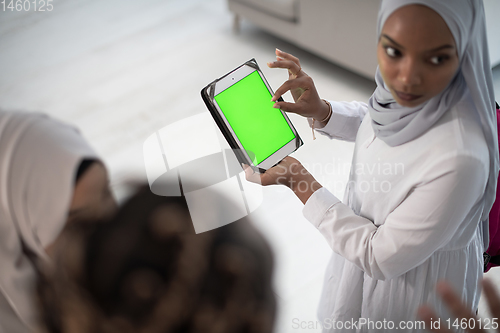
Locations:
column 307, row 101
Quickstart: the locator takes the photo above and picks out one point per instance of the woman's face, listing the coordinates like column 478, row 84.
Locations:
column 417, row 54
column 92, row 199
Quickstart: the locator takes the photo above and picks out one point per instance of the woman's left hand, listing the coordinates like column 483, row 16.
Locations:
column 288, row 172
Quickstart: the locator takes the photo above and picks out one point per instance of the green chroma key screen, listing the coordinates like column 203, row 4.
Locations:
column 260, row 128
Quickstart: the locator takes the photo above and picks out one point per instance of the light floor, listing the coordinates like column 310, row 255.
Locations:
column 121, row 70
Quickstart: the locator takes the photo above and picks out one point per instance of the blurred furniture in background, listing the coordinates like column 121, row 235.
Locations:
column 341, row 31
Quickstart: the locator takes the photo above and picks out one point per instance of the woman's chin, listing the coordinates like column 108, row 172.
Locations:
column 409, row 104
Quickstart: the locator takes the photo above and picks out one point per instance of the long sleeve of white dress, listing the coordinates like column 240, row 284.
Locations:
column 420, row 225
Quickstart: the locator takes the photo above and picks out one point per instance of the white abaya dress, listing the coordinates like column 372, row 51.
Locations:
column 409, row 218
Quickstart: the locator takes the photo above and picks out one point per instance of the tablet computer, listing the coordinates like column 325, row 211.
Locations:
column 240, row 103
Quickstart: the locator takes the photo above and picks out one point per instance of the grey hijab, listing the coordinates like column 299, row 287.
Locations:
column 39, row 157
column 396, row 125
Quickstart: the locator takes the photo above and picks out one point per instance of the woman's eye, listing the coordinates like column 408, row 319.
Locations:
column 437, row 60
column 391, row 52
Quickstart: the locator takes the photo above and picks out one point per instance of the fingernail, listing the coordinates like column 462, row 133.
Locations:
column 276, row 106
column 269, row 64
column 273, row 99
column 278, row 50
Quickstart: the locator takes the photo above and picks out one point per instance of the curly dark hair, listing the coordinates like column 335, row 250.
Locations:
column 146, row 270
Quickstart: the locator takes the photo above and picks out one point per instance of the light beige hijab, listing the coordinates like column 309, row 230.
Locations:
column 39, row 157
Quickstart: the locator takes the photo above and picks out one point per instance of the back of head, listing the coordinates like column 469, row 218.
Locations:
column 147, row 270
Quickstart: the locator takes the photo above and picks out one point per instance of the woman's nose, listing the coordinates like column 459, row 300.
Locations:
column 409, row 73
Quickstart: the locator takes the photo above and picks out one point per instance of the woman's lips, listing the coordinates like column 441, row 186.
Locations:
column 407, row 97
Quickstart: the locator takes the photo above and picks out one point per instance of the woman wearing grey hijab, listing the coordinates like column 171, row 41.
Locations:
column 40, row 161
column 424, row 169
